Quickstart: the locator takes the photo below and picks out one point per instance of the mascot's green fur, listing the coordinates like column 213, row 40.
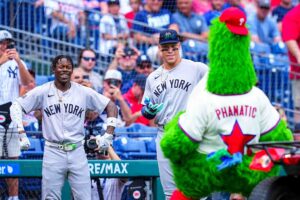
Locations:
column 231, row 72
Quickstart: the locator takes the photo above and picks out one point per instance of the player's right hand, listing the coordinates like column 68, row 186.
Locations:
column 151, row 108
column 104, row 141
column 24, row 141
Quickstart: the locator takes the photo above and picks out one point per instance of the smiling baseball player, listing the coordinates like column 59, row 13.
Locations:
column 63, row 104
column 166, row 93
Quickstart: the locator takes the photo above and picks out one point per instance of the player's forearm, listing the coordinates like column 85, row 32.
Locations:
column 60, row 17
column 16, row 115
column 112, row 113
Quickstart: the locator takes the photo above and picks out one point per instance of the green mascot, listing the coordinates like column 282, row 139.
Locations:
column 206, row 144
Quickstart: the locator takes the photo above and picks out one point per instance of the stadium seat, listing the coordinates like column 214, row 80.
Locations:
column 151, row 145
column 35, row 151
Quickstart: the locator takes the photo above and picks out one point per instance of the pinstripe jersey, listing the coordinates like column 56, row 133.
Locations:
column 9, row 81
column 63, row 121
column 173, row 87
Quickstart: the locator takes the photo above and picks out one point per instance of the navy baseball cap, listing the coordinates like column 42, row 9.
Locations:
column 140, row 80
column 111, row 2
column 168, row 37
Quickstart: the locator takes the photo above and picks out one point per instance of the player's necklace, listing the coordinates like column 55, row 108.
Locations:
column 59, row 97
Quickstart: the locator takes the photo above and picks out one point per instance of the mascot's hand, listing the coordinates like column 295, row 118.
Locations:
column 151, row 108
column 227, row 159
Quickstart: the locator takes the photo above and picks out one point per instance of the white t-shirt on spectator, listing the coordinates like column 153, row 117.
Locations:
column 69, row 8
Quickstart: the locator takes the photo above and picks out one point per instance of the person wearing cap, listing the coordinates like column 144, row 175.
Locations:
column 144, row 65
column 134, row 98
column 113, row 27
column 262, row 26
column 291, row 37
column 166, row 93
column 13, row 73
column 280, row 11
column 125, row 62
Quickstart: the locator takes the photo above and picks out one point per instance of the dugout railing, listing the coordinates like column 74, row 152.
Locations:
column 147, row 169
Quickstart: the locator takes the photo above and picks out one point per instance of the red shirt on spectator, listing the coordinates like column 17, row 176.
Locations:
column 130, row 15
column 135, row 106
column 291, row 31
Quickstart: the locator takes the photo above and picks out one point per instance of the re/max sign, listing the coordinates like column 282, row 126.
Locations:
column 108, row 168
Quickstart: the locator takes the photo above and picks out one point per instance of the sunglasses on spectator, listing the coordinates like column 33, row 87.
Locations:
column 77, row 77
column 146, row 65
column 168, row 48
column 89, row 58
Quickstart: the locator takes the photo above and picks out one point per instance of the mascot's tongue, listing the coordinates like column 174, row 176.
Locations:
column 231, row 68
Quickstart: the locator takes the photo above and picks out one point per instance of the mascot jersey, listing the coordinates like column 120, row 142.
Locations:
column 227, row 122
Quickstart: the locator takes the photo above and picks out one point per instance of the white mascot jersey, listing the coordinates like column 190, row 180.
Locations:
column 227, row 121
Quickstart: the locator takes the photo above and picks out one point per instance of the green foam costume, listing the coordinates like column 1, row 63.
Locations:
column 231, row 73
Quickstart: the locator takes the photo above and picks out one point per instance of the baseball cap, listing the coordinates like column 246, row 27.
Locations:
column 235, row 20
column 5, row 35
column 140, row 80
column 264, row 3
column 143, row 58
column 113, row 74
column 110, row 2
column 168, row 37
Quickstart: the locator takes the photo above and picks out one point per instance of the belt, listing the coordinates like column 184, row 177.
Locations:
column 66, row 146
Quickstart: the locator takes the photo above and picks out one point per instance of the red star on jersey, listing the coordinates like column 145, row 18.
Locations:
column 237, row 140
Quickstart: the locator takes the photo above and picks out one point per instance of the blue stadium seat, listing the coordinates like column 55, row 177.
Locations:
column 151, row 145
column 140, row 130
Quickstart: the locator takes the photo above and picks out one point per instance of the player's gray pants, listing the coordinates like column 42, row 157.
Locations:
column 165, row 171
column 58, row 165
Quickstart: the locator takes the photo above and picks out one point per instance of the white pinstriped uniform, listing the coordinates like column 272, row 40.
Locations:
column 172, row 88
column 63, row 121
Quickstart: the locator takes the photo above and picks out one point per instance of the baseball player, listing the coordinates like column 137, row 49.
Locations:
column 13, row 73
column 63, row 104
column 166, row 93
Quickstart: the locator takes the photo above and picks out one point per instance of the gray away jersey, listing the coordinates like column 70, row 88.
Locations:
column 173, row 87
column 63, row 121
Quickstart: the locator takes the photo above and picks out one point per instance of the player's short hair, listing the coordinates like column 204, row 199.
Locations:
column 58, row 58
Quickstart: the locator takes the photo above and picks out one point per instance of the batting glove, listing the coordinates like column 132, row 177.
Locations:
column 151, row 108
column 24, row 141
column 104, row 141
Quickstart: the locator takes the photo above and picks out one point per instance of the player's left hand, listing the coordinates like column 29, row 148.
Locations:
column 104, row 141
column 24, row 141
column 13, row 54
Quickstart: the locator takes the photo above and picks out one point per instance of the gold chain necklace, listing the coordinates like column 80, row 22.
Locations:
column 59, row 97
column 162, row 74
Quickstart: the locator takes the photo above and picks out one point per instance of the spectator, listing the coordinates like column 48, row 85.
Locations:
column 125, row 62
column 291, row 37
column 25, row 88
column 13, row 73
column 201, row 6
column 135, row 7
column 67, row 16
column 216, row 10
column 280, row 11
column 112, row 188
column 93, row 9
column 262, row 27
column 78, row 77
column 233, row 3
column 191, row 25
column 155, row 18
column 144, row 65
column 134, row 98
column 113, row 27
column 87, row 63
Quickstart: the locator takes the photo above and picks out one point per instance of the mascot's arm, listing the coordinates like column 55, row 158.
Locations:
column 280, row 133
column 175, row 144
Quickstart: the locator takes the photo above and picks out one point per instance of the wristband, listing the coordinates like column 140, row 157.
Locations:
column 111, row 121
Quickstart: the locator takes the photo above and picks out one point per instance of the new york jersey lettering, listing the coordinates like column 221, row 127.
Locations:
column 67, row 108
